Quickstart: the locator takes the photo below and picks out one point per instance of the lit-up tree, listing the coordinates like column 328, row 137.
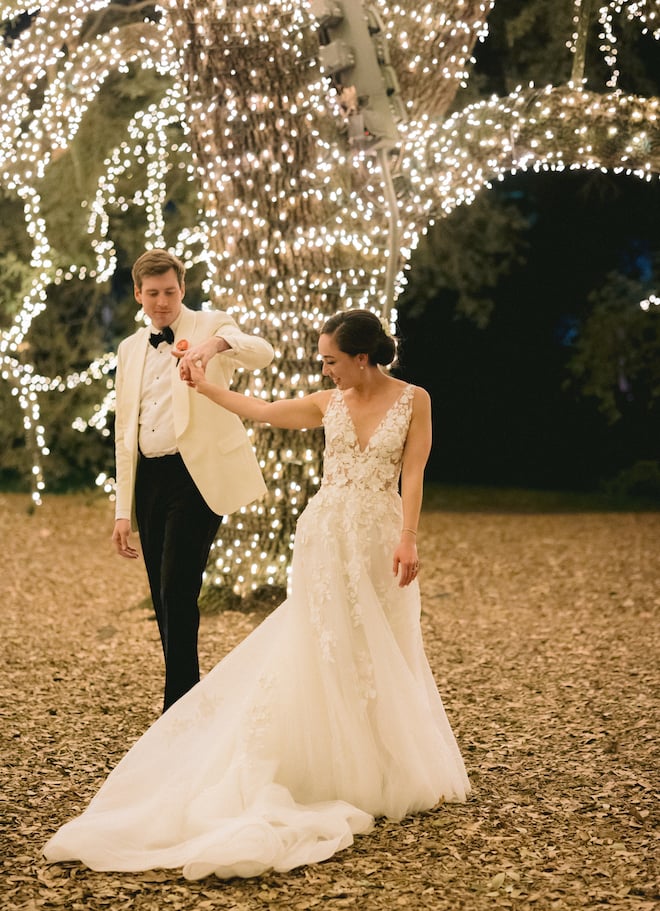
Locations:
column 293, row 217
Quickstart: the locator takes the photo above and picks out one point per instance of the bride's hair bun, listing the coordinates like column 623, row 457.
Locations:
column 361, row 332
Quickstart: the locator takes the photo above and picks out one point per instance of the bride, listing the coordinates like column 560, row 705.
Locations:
column 327, row 715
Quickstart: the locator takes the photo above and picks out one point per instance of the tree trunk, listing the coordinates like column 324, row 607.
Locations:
column 274, row 195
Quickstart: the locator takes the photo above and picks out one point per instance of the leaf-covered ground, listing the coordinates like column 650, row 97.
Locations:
column 542, row 631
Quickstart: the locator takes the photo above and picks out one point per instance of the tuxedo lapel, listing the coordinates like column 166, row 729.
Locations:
column 133, row 368
column 180, row 391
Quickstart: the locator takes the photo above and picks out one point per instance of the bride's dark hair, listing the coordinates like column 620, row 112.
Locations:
column 361, row 332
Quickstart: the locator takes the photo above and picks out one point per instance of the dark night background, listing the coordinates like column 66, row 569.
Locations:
column 503, row 413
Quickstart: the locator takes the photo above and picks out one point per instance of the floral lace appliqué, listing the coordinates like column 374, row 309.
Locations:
column 377, row 467
column 351, row 521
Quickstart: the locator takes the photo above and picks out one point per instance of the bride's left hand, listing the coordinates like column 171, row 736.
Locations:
column 405, row 563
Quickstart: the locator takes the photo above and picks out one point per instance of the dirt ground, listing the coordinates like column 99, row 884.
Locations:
column 543, row 634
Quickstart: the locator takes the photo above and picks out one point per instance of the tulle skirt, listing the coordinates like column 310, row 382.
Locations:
column 325, row 717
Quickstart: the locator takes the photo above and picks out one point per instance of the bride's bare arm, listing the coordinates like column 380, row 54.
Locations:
column 415, row 456
column 291, row 414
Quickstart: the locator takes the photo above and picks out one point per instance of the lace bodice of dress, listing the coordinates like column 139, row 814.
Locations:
column 348, row 532
column 376, row 468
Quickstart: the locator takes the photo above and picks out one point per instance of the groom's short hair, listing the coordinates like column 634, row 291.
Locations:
column 157, row 262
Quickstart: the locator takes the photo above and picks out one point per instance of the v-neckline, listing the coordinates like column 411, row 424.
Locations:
column 378, row 425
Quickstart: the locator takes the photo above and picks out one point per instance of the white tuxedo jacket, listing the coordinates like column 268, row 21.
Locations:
column 212, row 442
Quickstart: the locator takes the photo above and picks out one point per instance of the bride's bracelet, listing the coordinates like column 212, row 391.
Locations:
column 411, row 530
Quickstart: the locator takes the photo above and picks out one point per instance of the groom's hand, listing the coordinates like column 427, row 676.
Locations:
column 199, row 355
column 120, row 536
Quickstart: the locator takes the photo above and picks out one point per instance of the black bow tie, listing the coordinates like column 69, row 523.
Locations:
column 165, row 335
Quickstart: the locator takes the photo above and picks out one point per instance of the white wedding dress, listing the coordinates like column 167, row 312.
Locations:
column 326, row 716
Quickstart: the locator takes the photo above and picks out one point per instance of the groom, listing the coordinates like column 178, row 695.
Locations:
column 181, row 462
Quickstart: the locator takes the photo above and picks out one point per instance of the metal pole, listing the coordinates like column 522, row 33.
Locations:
column 393, row 230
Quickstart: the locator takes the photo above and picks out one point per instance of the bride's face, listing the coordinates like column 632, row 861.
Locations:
column 343, row 369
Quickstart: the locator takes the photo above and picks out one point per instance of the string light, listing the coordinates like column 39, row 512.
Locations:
column 291, row 225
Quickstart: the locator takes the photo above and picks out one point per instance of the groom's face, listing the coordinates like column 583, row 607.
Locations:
column 160, row 297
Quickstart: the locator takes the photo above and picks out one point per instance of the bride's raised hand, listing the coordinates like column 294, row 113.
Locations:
column 193, row 373
column 197, row 355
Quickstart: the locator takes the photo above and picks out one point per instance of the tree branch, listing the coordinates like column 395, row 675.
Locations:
column 433, row 52
column 542, row 128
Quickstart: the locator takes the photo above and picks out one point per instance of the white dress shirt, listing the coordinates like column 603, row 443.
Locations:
column 156, row 434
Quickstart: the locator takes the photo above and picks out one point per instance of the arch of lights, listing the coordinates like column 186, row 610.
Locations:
column 440, row 164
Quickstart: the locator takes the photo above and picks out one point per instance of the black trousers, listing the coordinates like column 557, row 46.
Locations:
column 176, row 529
